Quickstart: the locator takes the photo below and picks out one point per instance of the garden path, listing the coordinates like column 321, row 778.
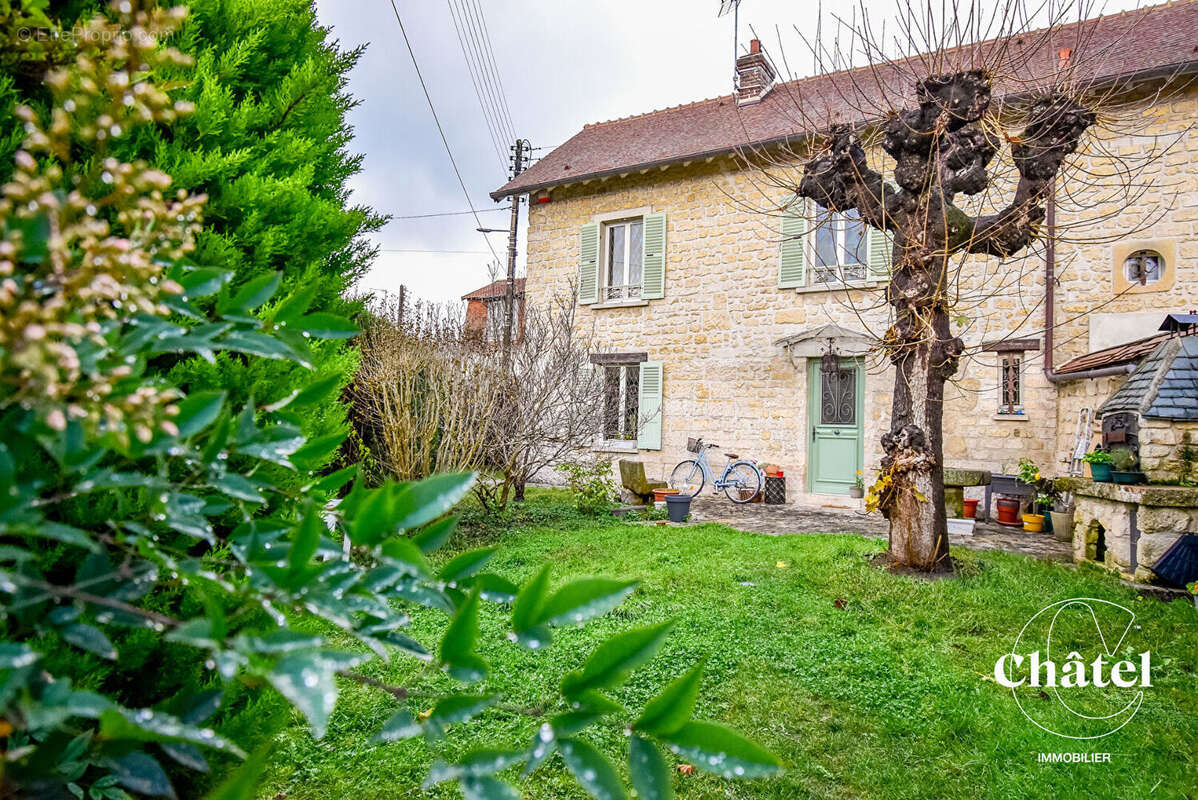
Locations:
column 778, row 520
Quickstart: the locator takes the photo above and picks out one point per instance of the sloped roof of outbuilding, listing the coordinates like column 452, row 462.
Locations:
column 1164, row 386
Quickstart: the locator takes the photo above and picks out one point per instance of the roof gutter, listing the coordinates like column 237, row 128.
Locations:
column 1171, row 70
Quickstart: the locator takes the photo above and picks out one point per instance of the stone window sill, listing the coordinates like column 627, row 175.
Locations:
column 835, row 287
column 620, row 304
column 614, row 447
column 1010, row 417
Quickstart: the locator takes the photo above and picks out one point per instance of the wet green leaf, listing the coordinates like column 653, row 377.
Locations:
column 593, row 772
column 673, row 706
column 649, row 772
column 581, row 600
column 613, row 660
column 722, row 751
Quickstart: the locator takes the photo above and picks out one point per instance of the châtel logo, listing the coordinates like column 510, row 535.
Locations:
column 1073, row 671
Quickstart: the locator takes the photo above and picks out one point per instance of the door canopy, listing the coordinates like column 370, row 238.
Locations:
column 815, row 342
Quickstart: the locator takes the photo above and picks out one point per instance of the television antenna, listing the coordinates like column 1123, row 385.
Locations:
column 732, row 7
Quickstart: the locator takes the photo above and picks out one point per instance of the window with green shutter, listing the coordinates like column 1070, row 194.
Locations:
column 653, row 274
column 588, row 263
column 881, row 245
column 649, row 406
column 792, row 261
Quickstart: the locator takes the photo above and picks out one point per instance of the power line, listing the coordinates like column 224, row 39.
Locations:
column 448, row 252
column 482, row 17
column 479, row 23
column 449, row 213
column 492, row 126
column 483, row 75
column 448, row 151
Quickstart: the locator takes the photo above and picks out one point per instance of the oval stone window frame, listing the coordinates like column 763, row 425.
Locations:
column 1166, row 249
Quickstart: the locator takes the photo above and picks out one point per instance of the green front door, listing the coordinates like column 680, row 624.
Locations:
column 836, row 449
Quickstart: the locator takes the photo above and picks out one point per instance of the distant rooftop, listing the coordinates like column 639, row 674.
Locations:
column 494, row 291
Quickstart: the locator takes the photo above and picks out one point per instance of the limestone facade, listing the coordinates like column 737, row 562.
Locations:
column 714, row 330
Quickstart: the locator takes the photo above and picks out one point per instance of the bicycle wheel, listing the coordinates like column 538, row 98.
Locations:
column 742, row 483
column 688, row 478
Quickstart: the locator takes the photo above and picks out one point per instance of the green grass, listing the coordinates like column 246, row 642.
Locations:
column 886, row 696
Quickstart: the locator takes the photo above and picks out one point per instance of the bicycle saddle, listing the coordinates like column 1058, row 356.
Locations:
column 731, row 455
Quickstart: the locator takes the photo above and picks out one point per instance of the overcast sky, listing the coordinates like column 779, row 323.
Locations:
column 562, row 63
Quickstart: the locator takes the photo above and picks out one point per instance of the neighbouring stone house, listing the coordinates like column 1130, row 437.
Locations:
column 713, row 317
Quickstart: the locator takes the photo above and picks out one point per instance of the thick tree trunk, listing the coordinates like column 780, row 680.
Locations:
column 925, row 354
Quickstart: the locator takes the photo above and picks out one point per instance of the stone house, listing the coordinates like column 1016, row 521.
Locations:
column 713, row 316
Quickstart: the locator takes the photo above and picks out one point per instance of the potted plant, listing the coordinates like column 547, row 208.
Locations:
column 1033, row 523
column 1123, row 466
column 1062, row 523
column 1100, row 464
column 858, row 487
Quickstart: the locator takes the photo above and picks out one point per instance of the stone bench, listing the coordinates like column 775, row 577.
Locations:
column 955, row 481
column 632, row 475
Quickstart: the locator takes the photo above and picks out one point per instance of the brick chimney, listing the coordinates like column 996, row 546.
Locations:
column 755, row 75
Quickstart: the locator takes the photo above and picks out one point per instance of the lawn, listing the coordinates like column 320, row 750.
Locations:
column 866, row 684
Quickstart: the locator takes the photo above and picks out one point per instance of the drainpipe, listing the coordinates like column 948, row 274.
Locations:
column 1050, row 281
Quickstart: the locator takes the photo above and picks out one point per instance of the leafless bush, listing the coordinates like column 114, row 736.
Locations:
column 423, row 398
column 429, row 399
column 550, row 403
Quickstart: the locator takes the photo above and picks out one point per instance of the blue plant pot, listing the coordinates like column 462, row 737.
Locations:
column 1101, row 472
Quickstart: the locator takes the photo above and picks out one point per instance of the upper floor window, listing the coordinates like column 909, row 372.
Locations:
column 1144, row 267
column 624, row 244
column 841, row 247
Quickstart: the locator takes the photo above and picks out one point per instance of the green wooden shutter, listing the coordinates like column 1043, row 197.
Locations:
column 653, row 261
column 648, row 414
column 881, row 244
column 588, row 263
column 792, row 261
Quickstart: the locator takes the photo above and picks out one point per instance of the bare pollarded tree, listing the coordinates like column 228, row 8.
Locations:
column 980, row 115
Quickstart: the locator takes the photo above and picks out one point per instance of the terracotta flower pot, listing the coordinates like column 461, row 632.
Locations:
column 1033, row 523
column 659, row 495
column 971, row 507
column 1008, row 511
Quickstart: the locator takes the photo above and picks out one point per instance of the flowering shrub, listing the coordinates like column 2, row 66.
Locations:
column 134, row 511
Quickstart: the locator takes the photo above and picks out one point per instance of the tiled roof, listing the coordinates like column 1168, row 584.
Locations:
column 1114, row 356
column 494, row 290
column 1164, row 386
column 1158, row 38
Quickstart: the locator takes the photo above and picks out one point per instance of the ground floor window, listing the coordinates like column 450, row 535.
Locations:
column 1010, row 383
column 621, row 389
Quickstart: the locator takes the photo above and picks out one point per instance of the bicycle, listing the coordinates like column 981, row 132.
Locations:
column 741, row 479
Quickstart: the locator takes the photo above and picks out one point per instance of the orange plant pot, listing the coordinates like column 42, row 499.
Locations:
column 971, row 507
column 659, row 495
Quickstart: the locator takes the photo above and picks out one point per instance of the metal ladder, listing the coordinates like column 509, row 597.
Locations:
column 1081, row 439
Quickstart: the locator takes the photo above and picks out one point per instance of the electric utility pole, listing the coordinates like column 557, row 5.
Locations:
column 519, row 154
